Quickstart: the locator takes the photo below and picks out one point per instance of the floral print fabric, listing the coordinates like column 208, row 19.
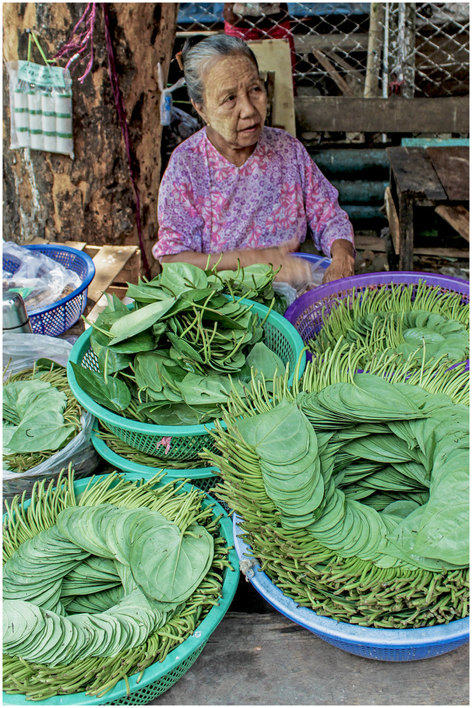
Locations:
column 208, row 205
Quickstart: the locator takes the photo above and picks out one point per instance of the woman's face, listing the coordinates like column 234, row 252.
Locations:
column 235, row 102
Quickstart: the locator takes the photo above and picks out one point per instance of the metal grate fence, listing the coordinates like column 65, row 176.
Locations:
column 358, row 49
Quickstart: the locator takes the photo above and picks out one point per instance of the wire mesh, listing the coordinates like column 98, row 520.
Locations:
column 356, row 49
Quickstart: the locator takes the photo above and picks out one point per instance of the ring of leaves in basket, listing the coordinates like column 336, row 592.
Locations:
column 126, row 624
column 440, row 442
column 346, row 538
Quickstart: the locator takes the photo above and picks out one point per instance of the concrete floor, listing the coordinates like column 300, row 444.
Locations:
column 259, row 657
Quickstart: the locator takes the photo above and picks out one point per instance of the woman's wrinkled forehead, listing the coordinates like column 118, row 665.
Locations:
column 227, row 68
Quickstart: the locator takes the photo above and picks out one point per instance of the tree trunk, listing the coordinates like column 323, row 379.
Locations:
column 91, row 198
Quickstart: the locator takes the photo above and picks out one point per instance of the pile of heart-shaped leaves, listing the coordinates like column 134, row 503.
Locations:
column 172, row 357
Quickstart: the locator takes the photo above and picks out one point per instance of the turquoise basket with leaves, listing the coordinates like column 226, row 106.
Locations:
column 144, row 686
column 180, row 442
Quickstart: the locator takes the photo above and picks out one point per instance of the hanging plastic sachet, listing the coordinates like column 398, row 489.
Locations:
column 40, row 105
column 166, row 107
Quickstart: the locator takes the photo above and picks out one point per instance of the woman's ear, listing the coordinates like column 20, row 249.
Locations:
column 199, row 110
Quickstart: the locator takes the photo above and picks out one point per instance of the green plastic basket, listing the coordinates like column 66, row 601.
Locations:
column 203, row 477
column 186, row 441
column 158, row 677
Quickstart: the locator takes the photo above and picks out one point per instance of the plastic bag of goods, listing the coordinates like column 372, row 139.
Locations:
column 44, row 428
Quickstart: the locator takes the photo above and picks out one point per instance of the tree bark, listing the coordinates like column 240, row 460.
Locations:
column 90, row 198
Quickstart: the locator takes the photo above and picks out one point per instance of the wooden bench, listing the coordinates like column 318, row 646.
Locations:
column 434, row 177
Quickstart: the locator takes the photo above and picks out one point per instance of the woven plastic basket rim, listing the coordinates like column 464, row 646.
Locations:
column 342, row 631
column 298, row 307
column 178, row 655
column 113, row 419
column 85, row 282
column 323, row 261
column 129, row 466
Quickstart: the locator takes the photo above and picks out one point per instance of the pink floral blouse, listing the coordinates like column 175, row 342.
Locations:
column 208, row 205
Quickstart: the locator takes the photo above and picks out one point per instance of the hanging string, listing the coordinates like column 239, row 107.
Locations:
column 125, row 132
column 80, row 40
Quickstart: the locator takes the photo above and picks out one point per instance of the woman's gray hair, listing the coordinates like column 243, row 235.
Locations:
column 196, row 59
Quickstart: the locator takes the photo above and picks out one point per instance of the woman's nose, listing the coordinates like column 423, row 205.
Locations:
column 246, row 106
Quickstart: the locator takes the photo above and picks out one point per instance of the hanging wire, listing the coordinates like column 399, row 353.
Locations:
column 80, row 40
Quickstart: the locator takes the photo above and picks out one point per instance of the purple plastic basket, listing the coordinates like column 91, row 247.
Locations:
column 307, row 312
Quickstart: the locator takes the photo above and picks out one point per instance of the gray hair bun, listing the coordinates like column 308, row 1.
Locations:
column 196, row 57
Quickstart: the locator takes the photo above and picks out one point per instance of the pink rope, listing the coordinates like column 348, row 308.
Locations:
column 80, row 41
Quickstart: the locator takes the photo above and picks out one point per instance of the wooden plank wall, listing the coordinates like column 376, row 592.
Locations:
column 382, row 115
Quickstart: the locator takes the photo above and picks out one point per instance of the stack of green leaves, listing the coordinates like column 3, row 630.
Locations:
column 171, row 359
column 157, row 564
column 384, row 443
column 254, row 282
column 418, row 321
column 351, row 486
column 40, row 415
column 116, row 574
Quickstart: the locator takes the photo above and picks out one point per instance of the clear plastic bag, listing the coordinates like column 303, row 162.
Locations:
column 40, row 107
column 40, row 280
column 289, row 293
column 20, row 351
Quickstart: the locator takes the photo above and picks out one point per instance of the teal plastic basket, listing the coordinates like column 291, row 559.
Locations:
column 186, row 441
column 203, row 477
column 158, row 677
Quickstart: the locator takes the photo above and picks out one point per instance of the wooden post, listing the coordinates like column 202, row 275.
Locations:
column 90, row 198
column 409, row 52
column 374, row 50
column 405, row 217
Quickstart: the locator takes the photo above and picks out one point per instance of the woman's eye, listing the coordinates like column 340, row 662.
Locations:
column 229, row 98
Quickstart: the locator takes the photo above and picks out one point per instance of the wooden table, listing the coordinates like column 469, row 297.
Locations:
column 436, row 177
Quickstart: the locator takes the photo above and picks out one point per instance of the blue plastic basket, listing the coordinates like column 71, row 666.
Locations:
column 57, row 318
column 369, row 642
column 322, row 262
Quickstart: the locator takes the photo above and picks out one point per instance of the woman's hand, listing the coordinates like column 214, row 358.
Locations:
column 342, row 261
column 295, row 271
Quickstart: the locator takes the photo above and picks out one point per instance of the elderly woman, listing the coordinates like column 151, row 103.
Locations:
column 238, row 190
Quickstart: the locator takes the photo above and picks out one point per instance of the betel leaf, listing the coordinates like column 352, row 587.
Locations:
column 114, row 304
column 139, row 320
column 179, row 413
column 179, row 277
column 185, row 299
column 265, row 361
column 110, row 360
column 22, row 398
column 169, row 564
column 112, row 393
column 184, row 349
column 44, row 431
column 146, row 292
column 201, row 390
column 35, row 409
